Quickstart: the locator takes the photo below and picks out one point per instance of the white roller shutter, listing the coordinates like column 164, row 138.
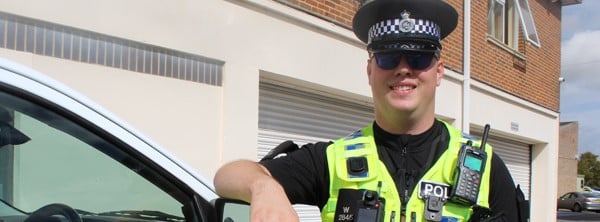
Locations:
column 517, row 157
column 305, row 117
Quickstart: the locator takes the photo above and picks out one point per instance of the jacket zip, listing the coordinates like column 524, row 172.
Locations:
column 406, row 185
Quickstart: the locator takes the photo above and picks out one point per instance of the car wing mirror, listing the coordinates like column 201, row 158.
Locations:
column 231, row 210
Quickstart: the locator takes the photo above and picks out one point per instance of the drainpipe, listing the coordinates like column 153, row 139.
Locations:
column 466, row 99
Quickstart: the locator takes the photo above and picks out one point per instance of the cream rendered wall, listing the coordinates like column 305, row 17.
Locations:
column 537, row 126
column 254, row 37
column 448, row 98
column 235, row 32
column 182, row 116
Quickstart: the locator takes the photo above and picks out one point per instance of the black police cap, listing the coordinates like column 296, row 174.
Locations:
column 417, row 25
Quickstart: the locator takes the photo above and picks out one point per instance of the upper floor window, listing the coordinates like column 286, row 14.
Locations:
column 503, row 22
column 527, row 22
column 496, row 19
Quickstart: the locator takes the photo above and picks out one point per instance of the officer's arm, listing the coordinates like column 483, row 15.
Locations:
column 502, row 191
column 251, row 182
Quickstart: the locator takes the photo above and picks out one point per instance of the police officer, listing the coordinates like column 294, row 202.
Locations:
column 406, row 159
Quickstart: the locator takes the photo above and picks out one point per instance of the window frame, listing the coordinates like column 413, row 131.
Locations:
column 493, row 20
column 527, row 22
column 514, row 13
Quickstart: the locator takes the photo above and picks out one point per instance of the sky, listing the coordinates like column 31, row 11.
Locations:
column 580, row 92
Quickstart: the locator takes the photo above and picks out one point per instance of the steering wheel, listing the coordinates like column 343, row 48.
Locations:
column 44, row 212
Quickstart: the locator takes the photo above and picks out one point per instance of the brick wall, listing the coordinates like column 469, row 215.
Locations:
column 567, row 161
column 531, row 73
column 534, row 76
column 340, row 12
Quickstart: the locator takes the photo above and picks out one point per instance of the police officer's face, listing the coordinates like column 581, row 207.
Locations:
column 404, row 88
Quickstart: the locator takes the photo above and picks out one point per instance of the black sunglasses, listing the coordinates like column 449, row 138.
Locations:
column 416, row 60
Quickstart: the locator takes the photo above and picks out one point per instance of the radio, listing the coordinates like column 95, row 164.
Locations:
column 469, row 170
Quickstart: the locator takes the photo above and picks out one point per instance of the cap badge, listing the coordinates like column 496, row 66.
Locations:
column 406, row 24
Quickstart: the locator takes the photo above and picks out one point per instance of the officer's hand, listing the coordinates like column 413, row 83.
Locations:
column 271, row 204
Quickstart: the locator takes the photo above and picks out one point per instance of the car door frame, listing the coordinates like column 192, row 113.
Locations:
column 34, row 86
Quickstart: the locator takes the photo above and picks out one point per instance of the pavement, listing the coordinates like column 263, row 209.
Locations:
column 568, row 216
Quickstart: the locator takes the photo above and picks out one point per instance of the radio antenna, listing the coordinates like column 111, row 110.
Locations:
column 486, row 131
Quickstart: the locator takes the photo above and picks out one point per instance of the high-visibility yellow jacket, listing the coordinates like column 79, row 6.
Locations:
column 362, row 144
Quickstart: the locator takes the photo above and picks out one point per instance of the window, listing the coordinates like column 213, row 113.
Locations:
column 527, row 22
column 503, row 22
column 496, row 19
column 48, row 156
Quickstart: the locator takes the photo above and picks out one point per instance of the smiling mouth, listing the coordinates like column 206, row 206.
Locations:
column 403, row 88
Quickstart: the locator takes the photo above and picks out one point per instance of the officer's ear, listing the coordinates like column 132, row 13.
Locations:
column 369, row 61
column 439, row 71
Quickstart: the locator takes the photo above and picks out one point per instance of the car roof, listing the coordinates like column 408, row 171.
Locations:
column 37, row 83
column 589, row 194
column 584, row 194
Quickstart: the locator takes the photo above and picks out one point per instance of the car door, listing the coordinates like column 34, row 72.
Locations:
column 64, row 158
column 563, row 201
column 571, row 199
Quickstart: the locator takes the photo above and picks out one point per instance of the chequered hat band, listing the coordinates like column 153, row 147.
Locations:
column 399, row 26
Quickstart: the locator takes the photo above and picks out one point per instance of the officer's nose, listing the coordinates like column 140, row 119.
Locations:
column 403, row 69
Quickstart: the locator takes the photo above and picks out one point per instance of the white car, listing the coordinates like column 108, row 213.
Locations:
column 65, row 158
column 589, row 189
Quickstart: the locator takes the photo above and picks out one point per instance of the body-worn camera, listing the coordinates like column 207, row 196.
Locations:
column 359, row 206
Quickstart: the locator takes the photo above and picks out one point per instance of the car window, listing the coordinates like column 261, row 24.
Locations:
column 48, row 158
column 230, row 210
column 564, row 196
column 590, row 195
